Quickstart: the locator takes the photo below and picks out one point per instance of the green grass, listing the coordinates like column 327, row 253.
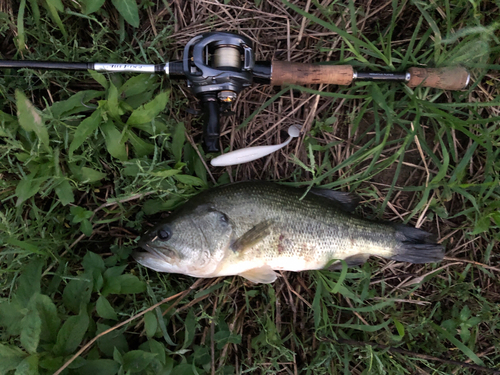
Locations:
column 88, row 161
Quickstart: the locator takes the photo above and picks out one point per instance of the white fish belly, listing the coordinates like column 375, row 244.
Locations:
column 294, row 264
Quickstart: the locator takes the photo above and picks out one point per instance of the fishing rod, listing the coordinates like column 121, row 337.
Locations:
column 217, row 66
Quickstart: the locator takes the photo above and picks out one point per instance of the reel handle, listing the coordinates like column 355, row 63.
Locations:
column 210, row 114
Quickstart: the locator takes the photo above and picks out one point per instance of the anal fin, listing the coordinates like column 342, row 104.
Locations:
column 264, row 275
column 352, row 261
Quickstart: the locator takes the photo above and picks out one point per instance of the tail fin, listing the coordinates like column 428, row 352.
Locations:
column 416, row 246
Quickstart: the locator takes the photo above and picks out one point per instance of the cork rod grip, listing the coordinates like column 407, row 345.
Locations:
column 455, row 78
column 285, row 72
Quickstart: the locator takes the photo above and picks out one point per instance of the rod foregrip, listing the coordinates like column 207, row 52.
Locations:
column 456, row 78
column 284, row 72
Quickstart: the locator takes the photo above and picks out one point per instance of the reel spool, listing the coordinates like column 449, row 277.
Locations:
column 227, row 57
column 217, row 66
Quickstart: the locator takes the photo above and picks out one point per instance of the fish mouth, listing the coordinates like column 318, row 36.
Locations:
column 151, row 257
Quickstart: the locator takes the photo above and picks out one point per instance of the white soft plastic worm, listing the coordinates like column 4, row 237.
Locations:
column 244, row 155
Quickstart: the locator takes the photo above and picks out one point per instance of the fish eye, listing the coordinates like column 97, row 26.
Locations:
column 164, row 234
column 223, row 217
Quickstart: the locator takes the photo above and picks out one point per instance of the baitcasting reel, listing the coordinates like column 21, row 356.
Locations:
column 217, row 67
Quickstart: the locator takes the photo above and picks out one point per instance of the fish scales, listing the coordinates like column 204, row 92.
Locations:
column 253, row 228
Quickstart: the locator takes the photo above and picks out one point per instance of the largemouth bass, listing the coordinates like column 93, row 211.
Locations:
column 253, row 228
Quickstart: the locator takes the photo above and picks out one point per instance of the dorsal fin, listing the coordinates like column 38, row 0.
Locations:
column 346, row 201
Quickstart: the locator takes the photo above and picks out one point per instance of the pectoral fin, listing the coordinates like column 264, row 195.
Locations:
column 352, row 261
column 252, row 237
column 264, row 275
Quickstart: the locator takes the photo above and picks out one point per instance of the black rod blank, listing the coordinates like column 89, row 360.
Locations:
column 52, row 65
column 174, row 68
